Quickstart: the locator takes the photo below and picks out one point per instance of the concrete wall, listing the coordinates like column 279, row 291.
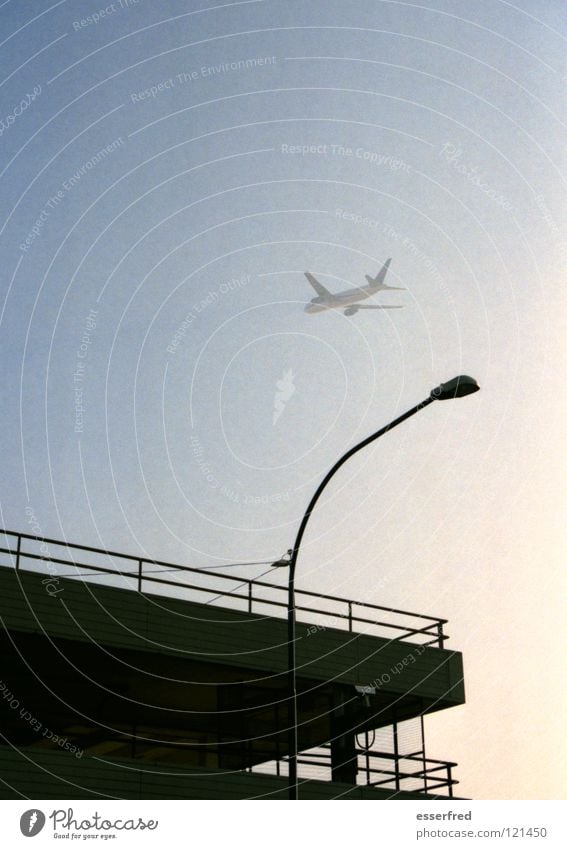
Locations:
column 126, row 619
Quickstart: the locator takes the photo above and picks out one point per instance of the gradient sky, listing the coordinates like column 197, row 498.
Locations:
column 176, row 259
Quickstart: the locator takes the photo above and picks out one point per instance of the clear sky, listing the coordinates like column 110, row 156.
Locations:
column 169, row 170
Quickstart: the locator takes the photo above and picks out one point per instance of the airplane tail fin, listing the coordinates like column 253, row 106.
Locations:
column 376, row 281
column 319, row 288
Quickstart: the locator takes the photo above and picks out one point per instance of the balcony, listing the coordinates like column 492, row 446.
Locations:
column 56, row 560
column 143, row 662
column 389, row 770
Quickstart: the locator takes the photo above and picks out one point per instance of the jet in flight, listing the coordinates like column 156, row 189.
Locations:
column 348, row 300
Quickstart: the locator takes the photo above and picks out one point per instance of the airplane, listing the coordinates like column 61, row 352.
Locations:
column 326, row 300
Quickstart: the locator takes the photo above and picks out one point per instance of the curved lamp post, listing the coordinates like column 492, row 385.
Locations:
column 458, row 387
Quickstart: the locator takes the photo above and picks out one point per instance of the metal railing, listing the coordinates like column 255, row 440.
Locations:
column 388, row 758
column 414, row 773
column 30, row 552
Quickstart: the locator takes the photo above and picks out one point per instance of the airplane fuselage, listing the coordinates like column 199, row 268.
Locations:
column 348, row 300
column 341, row 299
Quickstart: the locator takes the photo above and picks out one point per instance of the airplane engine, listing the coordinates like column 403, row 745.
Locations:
column 351, row 310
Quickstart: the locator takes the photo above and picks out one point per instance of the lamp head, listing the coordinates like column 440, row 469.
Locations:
column 282, row 562
column 458, row 387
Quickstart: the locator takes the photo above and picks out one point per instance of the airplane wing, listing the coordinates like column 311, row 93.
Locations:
column 319, row 288
column 378, row 306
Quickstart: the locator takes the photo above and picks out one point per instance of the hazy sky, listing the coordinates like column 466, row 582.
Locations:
column 168, row 173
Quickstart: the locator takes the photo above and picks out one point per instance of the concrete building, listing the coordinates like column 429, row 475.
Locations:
column 128, row 678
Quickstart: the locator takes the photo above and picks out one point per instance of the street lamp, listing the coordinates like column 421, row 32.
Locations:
column 458, row 387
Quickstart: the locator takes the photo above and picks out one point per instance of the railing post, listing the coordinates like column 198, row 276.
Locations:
column 396, row 756
column 440, row 634
column 423, row 755
column 18, row 547
column 350, row 616
column 140, row 562
column 249, row 596
column 450, row 780
column 277, row 717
